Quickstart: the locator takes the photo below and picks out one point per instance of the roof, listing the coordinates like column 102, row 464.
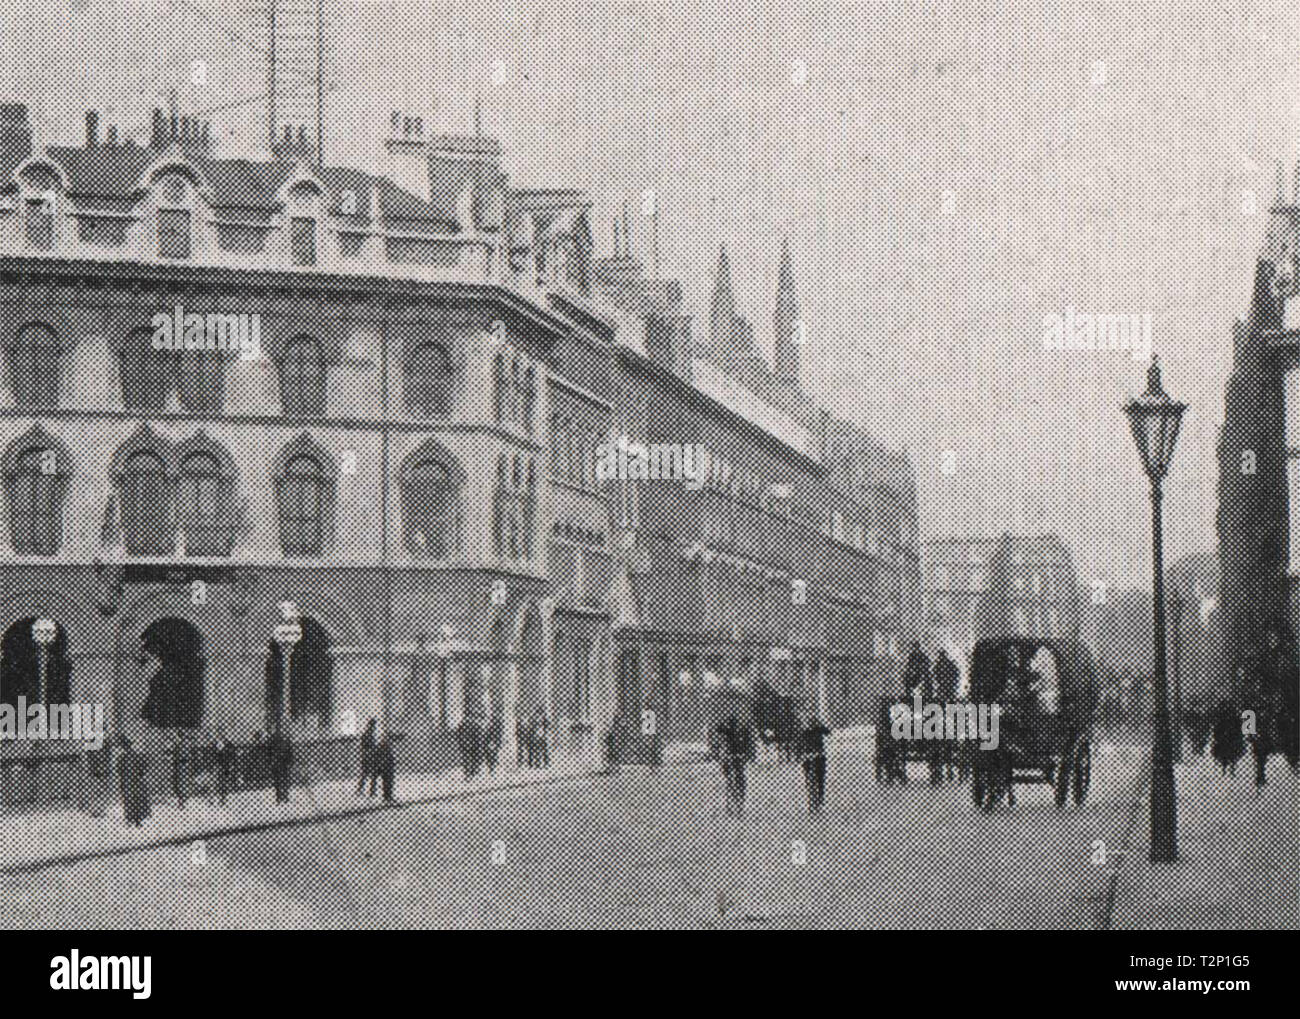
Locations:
column 114, row 172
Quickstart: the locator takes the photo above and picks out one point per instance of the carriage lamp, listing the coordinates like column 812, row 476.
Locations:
column 286, row 636
column 1154, row 419
column 43, row 633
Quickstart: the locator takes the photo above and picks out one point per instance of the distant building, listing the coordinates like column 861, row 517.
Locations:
column 991, row 587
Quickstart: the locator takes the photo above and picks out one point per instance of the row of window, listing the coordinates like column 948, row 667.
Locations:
column 514, row 391
column 190, row 507
column 149, row 377
column 175, row 226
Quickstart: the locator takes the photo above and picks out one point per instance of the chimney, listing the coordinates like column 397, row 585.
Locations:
column 92, row 129
column 408, row 157
column 112, row 135
column 15, row 129
column 158, row 133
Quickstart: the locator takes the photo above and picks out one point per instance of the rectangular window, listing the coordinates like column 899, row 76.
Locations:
column 174, row 233
column 302, row 237
column 40, row 225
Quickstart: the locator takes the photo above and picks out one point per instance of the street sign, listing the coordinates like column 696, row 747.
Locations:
column 44, row 631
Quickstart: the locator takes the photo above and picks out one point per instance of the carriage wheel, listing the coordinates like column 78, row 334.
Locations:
column 1082, row 772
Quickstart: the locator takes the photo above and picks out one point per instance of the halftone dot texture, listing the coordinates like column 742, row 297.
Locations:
column 510, row 378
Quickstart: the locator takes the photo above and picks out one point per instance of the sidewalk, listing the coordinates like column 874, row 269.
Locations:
column 35, row 840
column 1237, row 855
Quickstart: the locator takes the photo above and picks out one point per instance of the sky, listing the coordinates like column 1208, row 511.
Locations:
column 948, row 175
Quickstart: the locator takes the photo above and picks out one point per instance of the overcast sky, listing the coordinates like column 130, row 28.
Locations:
column 1095, row 156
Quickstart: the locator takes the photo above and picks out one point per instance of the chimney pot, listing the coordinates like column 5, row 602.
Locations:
column 92, row 129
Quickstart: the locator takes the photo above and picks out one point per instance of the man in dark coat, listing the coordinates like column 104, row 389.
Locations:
column 281, row 766
column 469, row 739
column 492, row 743
column 368, row 769
column 541, row 739
column 946, row 676
column 917, row 672
column 812, row 751
column 1227, row 737
column 182, row 767
column 132, row 784
column 736, row 750
column 386, row 765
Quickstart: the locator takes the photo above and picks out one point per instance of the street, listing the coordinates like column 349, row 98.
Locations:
column 647, row 850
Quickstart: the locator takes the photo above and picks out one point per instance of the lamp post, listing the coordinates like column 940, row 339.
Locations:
column 286, row 636
column 1176, row 607
column 1154, row 419
column 43, row 633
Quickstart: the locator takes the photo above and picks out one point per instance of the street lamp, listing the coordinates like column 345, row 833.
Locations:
column 1176, row 608
column 286, row 636
column 43, row 633
column 1154, row 419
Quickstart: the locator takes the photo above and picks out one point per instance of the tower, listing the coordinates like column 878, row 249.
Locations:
column 786, row 352
column 722, row 309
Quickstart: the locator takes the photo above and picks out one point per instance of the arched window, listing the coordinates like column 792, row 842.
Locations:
column 430, row 509
column 35, row 486
column 302, row 378
column 427, row 382
column 304, row 501
column 201, row 381
column 146, row 374
column 203, row 497
column 32, row 360
column 146, row 505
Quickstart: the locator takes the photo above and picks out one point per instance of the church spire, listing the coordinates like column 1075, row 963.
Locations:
column 787, row 320
column 722, row 310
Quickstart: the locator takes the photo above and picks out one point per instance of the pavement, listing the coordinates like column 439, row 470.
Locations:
column 33, row 840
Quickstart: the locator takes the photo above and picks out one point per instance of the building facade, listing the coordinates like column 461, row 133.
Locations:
column 379, row 416
column 1259, row 450
column 1015, row 585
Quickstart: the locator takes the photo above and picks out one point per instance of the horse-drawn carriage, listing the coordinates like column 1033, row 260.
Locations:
column 893, row 754
column 1046, row 696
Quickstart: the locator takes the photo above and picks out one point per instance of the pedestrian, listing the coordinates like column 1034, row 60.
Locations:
column 812, row 750
column 523, row 743
column 132, row 783
column 1227, row 737
column 386, row 765
column 368, row 768
column 469, row 741
column 541, row 739
column 615, row 740
column 281, row 758
column 917, row 672
column 736, row 751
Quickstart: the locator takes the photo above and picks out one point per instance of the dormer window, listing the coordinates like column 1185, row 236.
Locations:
column 174, row 219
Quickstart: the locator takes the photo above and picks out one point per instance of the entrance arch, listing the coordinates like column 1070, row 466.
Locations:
column 311, row 679
column 171, row 657
column 20, row 666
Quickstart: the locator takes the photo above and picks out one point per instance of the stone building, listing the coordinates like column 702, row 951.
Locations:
column 1259, row 449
